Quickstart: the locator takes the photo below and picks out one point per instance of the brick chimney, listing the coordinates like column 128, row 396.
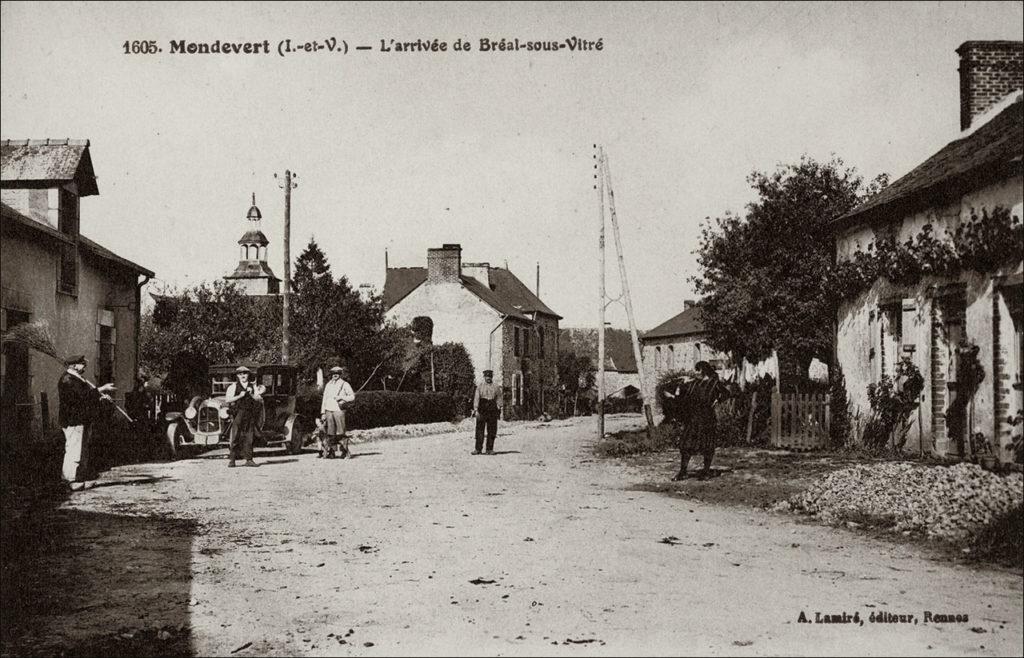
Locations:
column 688, row 304
column 989, row 71
column 444, row 264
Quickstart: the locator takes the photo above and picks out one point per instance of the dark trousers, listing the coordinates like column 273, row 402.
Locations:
column 486, row 419
column 240, row 438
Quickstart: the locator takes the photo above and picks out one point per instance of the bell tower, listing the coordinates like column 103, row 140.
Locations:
column 253, row 275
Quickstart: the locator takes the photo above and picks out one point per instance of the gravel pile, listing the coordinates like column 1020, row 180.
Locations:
column 951, row 503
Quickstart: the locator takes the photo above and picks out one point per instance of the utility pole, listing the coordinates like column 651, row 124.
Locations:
column 288, row 186
column 600, row 321
column 606, row 177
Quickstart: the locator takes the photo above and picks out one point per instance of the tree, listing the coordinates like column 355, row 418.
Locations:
column 762, row 275
column 208, row 323
column 575, row 377
column 331, row 322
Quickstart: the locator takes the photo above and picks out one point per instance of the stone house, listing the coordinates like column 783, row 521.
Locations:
column 939, row 320
column 502, row 324
column 89, row 296
column 678, row 344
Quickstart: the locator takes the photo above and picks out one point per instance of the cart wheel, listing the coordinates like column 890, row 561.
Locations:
column 175, row 436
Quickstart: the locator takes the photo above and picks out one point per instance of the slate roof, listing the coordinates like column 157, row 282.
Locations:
column 686, row 323
column 88, row 246
column 254, row 236
column 252, row 270
column 507, row 294
column 993, row 152
column 37, row 161
column 104, row 253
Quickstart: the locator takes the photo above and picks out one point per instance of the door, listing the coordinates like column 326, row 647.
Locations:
column 16, row 396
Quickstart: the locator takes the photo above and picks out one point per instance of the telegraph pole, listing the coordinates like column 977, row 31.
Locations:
column 600, row 322
column 288, row 186
column 607, row 175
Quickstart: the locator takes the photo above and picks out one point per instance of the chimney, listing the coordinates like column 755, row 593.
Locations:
column 989, row 71
column 479, row 271
column 444, row 264
column 688, row 304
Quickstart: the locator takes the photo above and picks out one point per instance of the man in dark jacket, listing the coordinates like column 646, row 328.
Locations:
column 79, row 400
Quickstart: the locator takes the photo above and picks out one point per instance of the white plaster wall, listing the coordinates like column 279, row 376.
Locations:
column 459, row 316
column 858, row 334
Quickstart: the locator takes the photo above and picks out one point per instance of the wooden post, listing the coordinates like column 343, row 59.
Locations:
column 828, row 419
column 288, row 186
column 776, row 417
column 600, row 321
column 44, row 413
column 637, row 355
column 750, row 416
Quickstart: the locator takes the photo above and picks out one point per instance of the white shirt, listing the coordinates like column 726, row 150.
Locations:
column 336, row 391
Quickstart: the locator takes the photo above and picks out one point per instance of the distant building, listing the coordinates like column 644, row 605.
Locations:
column 678, row 344
column 49, row 271
column 503, row 326
column 930, row 322
column 253, row 275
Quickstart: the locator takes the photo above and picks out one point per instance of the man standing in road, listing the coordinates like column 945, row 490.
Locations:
column 78, row 404
column 245, row 400
column 486, row 408
column 336, row 393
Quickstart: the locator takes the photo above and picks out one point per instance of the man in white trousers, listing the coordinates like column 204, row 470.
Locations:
column 79, row 401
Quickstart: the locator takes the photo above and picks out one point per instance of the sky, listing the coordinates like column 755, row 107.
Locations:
column 402, row 151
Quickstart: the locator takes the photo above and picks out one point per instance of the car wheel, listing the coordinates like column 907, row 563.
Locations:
column 175, row 436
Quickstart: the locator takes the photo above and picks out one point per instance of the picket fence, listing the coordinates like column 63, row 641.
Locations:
column 800, row 421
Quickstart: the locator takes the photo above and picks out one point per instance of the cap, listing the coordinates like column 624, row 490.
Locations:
column 72, row 360
column 488, row 372
column 337, row 369
column 240, row 369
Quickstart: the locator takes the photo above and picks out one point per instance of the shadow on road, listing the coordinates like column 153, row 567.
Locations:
column 353, row 455
column 274, row 462
column 78, row 583
column 130, row 481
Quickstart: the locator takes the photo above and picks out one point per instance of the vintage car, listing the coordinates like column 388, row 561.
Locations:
column 206, row 422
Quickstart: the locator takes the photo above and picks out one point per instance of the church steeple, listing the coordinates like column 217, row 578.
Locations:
column 254, row 243
column 253, row 274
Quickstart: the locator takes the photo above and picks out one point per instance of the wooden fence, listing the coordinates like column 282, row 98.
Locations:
column 800, row 421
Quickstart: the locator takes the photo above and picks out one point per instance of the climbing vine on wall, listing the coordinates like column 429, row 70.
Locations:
column 982, row 244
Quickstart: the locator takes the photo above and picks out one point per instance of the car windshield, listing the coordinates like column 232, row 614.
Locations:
column 219, row 384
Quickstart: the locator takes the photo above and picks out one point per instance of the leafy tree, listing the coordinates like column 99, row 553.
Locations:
column 575, row 377
column 331, row 322
column 208, row 323
column 763, row 274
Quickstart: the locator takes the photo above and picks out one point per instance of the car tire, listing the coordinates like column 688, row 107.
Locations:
column 175, row 435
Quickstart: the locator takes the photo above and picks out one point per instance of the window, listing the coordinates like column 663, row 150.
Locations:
column 67, row 223
column 106, row 338
column 517, row 388
column 890, row 334
column 526, row 342
column 657, row 358
column 516, row 350
column 540, row 343
column 671, row 357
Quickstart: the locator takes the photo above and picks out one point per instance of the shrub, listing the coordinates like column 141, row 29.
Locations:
column 385, row 408
column 893, row 400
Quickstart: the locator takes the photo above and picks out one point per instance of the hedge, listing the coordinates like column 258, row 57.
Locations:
column 387, row 408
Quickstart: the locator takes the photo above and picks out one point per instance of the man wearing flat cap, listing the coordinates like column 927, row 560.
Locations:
column 245, row 399
column 79, row 400
column 337, row 392
column 486, row 408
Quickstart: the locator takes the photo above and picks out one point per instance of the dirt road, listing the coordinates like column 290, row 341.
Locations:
column 417, row 547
